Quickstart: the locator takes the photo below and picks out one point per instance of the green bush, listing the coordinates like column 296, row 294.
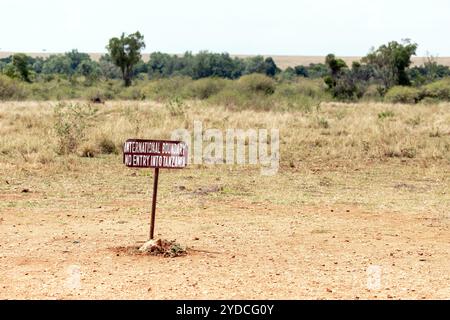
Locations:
column 386, row 114
column 302, row 87
column 438, row 90
column 256, row 83
column 229, row 97
column 11, row 89
column 400, row 94
column 167, row 88
column 205, row 88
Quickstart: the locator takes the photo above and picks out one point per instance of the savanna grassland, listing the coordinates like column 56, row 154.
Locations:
column 359, row 185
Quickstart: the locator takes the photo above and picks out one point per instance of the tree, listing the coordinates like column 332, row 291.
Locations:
column 160, row 65
column 107, row 68
column 60, row 64
column 258, row 64
column 20, row 62
column 271, row 68
column 206, row 64
column 301, row 71
column 335, row 64
column 391, row 62
column 89, row 69
column 336, row 67
column 76, row 58
column 428, row 72
column 125, row 52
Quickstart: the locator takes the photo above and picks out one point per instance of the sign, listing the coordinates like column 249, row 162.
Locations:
column 156, row 154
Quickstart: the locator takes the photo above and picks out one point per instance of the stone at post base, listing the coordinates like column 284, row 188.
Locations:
column 151, row 246
column 163, row 247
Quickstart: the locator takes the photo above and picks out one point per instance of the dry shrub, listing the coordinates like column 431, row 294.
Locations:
column 71, row 122
column 107, row 146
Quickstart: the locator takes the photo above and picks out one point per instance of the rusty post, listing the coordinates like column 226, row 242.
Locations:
column 155, row 191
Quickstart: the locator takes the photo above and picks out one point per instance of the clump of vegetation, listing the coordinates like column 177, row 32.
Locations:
column 176, row 107
column 439, row 90
column 386, row 114
column 10, row 89
column 401, row 94
column 107, row 146
column 204, row 88
column 323, row 123
column 88, row 150
column 256, row 83
column 71, row 121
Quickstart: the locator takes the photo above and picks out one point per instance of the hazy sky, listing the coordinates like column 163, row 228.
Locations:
column 285, row 27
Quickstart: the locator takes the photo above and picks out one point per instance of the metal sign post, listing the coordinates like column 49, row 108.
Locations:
column 155, row 154
column 155, row 192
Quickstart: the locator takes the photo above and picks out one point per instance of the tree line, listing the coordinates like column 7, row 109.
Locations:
column 384, row 67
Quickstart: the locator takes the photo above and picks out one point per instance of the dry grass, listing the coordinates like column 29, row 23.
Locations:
column 335, row 140
column 331, row 133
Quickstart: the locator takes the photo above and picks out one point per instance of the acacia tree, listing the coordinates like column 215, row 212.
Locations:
column 391, row 62
column 336, row 67
column 125, row 52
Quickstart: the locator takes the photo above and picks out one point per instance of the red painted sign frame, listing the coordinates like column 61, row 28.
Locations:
column 140, row 153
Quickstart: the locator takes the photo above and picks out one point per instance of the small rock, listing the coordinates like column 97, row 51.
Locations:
column 329, row 290
column 196, row 238
column 26, row 190
column 150, row 246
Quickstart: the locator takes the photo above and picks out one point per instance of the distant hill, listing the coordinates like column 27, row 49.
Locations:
column 281, row 61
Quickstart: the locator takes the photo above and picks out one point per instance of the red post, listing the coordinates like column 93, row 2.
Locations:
column 155, row 191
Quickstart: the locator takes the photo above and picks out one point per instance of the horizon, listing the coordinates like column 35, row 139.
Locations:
column 282, row 61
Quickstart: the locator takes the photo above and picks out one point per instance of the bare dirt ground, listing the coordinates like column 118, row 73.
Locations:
column 304, row 234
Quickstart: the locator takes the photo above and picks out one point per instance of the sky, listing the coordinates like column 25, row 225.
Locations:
column 281, row 27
